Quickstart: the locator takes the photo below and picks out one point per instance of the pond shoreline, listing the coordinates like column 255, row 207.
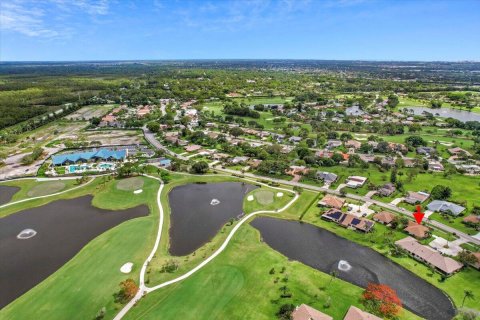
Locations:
column 312, row 245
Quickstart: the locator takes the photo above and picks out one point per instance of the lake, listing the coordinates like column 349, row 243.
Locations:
column 327, row 252
column 461, row 115
column 6, row 193
column 198, row 211
column 52, row 235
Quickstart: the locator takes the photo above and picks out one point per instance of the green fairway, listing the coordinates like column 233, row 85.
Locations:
column 240, row 278
column 84, row 285
column 30, row 188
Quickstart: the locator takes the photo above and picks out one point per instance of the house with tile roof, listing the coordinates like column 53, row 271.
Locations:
column 417, row 230
column 355, row 313
column 330, row 201
column 384, row 217
column 430, row 256
column 305, row 312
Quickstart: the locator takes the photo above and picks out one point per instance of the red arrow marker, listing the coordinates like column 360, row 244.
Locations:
column 419, row 215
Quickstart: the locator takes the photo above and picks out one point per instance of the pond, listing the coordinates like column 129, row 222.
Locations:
column 327, row 252
column 461, row 115
column 198, row 211
column 36, row 242
column 6, row 193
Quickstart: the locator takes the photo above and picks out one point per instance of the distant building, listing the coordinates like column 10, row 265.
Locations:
column 87, row 156
column 426, row 151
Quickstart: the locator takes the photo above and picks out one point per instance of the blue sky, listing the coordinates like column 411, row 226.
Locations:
column 221, row 29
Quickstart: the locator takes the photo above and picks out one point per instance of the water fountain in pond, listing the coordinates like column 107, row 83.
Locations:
column 214, row 202
column 343, row 265
column 26, row 234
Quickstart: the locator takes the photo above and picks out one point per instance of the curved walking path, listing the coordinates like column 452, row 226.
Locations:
column 143, row 289
column 47, row 195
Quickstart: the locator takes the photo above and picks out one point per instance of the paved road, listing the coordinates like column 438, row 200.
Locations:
column 387, row 206
column 150, row 137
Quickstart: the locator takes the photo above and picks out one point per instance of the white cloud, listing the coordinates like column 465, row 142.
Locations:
column 40, row 18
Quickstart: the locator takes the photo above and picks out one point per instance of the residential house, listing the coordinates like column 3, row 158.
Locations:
column 323, row 154
column 143, row 111
column 459, row 151
column 472, row 220
column 476, row 265
column 353, row 144
column 427, row 151
column 430, row 256
column 445, row 207
column 469, row 168
column 435, row 166
column 295, row 139
column 416, row 197
column 193, row 147
column 238, row 160
column 330, row 201
column 384, row 217
column 355, row 313
column 419, row 231
column 348, row 220
column 409, row 162
column 254, row 163
column 220, row 156
column 355, row 181
column 333, row 143
column 327, row 177
column 297, row 170
column 305, row 312
column 387, row 189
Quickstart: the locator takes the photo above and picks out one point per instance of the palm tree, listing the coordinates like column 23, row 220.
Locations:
column 467, row 294
column 333, row 276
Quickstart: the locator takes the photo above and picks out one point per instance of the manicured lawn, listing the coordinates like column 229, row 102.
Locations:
column 27, row 185
column 455, row 222
column 265, row 198
column 378, row 240
column 464, row 188
column 239, row 278
column 87, row 283
column 31, row 188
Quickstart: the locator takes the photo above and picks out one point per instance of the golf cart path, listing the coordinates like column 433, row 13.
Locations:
column 47, row 195
column 143, row 289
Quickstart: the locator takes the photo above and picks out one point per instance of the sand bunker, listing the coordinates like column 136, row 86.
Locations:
column 279, row 194
column 126, row 268
column 138, row 191
column 250, row 198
